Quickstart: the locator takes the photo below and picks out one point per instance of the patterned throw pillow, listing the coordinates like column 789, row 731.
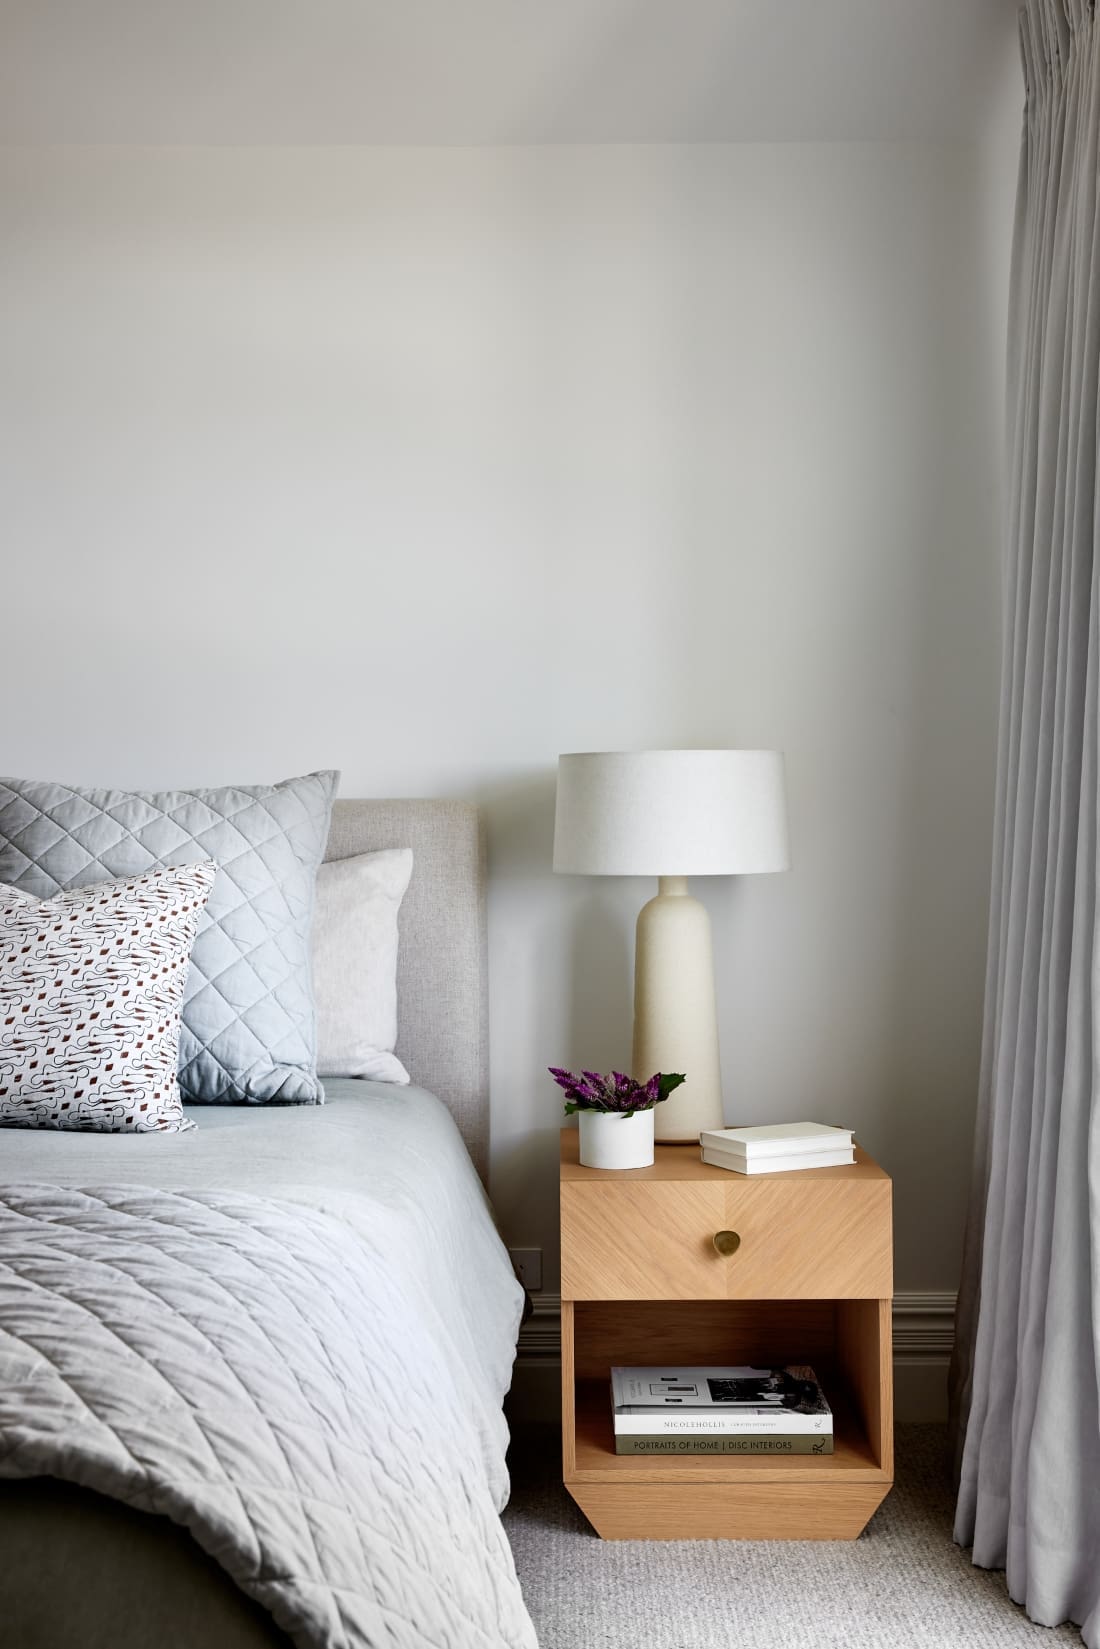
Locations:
column 249, row 1031
column 91, row 986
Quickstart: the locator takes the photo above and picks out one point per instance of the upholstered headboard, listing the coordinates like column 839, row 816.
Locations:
column 442, row 988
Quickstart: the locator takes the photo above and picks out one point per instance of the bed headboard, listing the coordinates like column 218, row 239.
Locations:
column 442, row 977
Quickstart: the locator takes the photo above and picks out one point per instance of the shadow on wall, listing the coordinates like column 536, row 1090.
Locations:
column 601, row 1009
column 560, row 981
column 566, row 933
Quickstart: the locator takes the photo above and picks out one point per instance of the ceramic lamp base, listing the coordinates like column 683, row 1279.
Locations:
column 675, row 1016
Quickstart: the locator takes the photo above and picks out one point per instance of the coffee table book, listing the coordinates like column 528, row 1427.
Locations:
column 777, row 1164
column 724, row 1443
column 778, row 1138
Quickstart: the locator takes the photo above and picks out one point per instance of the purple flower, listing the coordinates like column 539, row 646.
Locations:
column 617, row 1094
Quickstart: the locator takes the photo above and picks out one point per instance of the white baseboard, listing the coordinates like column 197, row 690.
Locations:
column 924, row 1332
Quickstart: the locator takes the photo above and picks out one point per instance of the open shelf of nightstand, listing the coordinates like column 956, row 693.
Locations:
column 597, row 1461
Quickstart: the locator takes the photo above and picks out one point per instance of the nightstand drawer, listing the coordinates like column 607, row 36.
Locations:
column 797, row 1236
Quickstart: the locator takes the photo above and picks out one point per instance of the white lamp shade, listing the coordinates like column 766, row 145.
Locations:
column 671, row 813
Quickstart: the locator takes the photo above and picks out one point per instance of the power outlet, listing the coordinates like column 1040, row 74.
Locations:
column 527, row 1263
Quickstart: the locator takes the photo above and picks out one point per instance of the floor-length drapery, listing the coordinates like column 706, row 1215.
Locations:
column 1027, row 1368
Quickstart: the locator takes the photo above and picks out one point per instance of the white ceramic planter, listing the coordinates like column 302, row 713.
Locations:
column 610, row 1141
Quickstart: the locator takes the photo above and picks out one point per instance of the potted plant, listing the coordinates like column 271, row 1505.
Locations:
column 615, row 1114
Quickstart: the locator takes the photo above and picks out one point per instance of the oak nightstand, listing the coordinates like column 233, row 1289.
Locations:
column 811, row 1281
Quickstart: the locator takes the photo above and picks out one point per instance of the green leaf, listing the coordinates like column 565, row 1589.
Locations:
column 669, row 1081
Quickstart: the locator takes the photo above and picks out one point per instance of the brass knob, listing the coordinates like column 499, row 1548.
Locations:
column 726, row 1243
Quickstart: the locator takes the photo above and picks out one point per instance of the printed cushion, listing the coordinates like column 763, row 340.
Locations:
column 91, row 986
column 355, row 963
column 248, row 1033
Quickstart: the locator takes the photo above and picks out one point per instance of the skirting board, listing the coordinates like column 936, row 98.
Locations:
column 924, row 1332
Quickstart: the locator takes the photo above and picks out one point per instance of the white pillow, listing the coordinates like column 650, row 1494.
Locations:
column 91, row 986
column 355, row 964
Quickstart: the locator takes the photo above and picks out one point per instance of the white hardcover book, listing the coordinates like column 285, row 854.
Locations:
column 778, row 1165
column 708, row 1423
column 777, row 1138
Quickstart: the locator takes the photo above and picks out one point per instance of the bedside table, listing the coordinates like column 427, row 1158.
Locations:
column 811, row 1281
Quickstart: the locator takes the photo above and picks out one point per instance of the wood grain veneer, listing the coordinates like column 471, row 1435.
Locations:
column 648, row 1233
column 709, row 1511
column 811, row 1281
column 705, row 1332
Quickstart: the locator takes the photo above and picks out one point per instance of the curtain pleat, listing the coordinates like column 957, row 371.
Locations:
column 1026, row 1377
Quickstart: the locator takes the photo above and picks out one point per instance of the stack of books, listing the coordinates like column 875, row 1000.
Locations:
column 720, row 1411
column 778, row 1147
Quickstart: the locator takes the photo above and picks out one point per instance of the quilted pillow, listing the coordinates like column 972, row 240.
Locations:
column 248, row 1033
column 355, row 963
column 91, row 984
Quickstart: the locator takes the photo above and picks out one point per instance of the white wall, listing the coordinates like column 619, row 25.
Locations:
column 432, row 463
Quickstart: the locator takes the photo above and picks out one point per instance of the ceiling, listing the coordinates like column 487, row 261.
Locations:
column 494, row 71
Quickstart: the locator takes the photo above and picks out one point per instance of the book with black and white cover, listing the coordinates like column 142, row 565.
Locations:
column 746, row 1399
column 736, row 1164
column 724, row 1443
column 776, row 1139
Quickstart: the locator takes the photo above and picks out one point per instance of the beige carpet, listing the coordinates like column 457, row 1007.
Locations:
column 903, row 1585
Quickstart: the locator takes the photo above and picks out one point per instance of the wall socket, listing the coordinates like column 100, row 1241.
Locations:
column 527, row 1263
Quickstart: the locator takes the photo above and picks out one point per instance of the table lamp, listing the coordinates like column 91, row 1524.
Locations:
column 673, row 814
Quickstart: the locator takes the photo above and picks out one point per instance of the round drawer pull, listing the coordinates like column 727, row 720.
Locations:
column 726, row 1243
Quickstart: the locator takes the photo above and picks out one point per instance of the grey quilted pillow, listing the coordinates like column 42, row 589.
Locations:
column 248, row 1033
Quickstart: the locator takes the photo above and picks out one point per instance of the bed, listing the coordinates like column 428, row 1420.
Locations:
column 251, row 1375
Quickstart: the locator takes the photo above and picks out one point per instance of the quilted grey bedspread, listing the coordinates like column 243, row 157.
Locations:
column 305, row 1373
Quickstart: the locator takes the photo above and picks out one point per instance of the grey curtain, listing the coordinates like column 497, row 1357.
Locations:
column 1027, row 1368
